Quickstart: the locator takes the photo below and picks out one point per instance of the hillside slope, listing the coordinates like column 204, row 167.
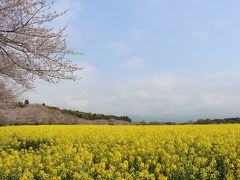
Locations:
column 38, row 114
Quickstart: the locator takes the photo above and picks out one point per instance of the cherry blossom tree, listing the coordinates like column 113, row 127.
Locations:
column 29, row 47
column 8, row 95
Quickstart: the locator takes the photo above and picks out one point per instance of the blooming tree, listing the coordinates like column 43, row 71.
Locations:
column 29, row 48
column 8, row 95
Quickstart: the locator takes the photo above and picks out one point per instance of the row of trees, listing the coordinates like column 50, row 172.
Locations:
column 30, row 48
column 219, row 121
column 235, row 120
column 91, row 116
column 157, row 123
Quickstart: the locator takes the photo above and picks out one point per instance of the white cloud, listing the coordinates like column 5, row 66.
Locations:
column 134, row 63
column 198, row 33
column 88, row 71
column 119, row 47
column 163, row 97
column 67, row 93
column 135, row 35
column 74, row 7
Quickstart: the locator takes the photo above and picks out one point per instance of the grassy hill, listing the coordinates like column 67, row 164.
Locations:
column 39, row 114
column 90, row 116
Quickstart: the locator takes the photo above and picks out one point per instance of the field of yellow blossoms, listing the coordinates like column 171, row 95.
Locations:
column 120, row 152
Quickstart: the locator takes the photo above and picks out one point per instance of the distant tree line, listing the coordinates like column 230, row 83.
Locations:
column 90, row 116
column 235, row 120
column 157, row 123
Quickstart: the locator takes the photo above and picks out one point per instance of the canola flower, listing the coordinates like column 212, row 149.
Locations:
column 120, row 152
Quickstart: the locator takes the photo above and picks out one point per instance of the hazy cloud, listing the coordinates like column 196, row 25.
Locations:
column 134, row 63
column 120, row 47
column 164, row 96
column 74, row 8
column 198, row 33
column 135, row 35
column 125, row 87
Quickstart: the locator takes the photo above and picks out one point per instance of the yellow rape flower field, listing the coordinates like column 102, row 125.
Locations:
column 120, row 152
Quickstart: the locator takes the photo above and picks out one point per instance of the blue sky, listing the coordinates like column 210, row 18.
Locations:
column 163, row 60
